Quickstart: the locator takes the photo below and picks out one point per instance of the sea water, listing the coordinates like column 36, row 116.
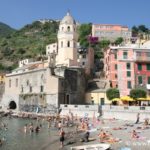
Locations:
column 14, row 137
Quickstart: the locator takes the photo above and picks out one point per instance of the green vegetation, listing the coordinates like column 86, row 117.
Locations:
column 86, row 40
column 5, row 30
column 31, row 40
column 84, row 32
column 137, row 93
column 140, row 30
column 28, row 42
column 118, row 41
column 112, row 93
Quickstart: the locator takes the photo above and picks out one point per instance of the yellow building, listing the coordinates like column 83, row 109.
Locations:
column 2, row 78
column 97, row 96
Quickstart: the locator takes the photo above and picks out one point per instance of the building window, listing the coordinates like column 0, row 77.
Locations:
column 148, row 80
column 125, row 55
column 128, row 73
column 129, row 84
column 68, row 28
column 116, row 76
column 116, row 67
column 115, row 56
column 9, row 83
column 140, row 80
column 148, row 66
column 84, row 56
column 61, row 43
column 139, row 66
column 128, row 66
column 68, row 44
column 83, row 63
column 41, row 88
column 62, row 28
column 16, row 82
column 30, row 88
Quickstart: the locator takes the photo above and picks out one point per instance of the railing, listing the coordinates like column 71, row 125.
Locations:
column 142, row 58
column 125, row 108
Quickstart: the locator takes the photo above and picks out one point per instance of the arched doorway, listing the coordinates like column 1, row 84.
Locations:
column 12, row 105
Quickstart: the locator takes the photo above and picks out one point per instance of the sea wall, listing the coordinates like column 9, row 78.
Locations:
column 125, row 112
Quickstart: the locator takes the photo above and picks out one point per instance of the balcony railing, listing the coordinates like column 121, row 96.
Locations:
column 142, row 58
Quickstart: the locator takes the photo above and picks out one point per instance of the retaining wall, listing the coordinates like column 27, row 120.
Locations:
column 80, row 110
column 126, row 112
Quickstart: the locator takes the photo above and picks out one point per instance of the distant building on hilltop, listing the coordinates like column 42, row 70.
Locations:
column 111, row 32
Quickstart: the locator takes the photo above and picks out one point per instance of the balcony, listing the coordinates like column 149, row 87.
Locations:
column 142, row 58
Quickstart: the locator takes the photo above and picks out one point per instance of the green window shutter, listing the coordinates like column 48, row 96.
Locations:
column 139, row 66
column 148, row 66
column 128, row 66
column 116, row 67
column 128, row 73
column 129, row 84
column 148, row 80
column 125, row 55
column 115, row 56
column 140, row 80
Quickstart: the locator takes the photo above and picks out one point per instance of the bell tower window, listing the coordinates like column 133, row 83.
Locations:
column 62, row 28
column 68, row 28
column 68, row 44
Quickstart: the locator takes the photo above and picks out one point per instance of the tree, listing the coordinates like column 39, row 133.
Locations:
column 112, row 93
column 118, row 41
column 84, row 31
column 99, row 48
column 137, row 93
column 143, row 28
column 135, row 31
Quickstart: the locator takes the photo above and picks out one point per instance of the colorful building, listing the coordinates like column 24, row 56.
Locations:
column 127, row 67
column 110, row 31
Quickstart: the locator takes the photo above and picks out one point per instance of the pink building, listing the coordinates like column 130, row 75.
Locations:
column 127, row 68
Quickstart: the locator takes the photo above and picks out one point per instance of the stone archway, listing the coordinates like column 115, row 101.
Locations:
column 12, row 105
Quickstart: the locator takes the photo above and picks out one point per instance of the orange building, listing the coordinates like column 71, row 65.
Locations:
column 110, row 32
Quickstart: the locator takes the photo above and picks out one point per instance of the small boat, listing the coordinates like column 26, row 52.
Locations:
column 92, row 147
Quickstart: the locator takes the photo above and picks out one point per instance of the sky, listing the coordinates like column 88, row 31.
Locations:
column 17, row 13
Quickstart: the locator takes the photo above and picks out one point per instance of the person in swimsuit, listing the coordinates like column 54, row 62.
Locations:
column 62, row 137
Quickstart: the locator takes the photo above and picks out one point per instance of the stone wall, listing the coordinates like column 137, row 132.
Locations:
column 75, row 85
column 80, row 110
column 2, row 89
column 125, row 112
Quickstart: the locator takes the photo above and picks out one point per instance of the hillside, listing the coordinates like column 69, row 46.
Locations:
column 5, row 30
column 28, row 42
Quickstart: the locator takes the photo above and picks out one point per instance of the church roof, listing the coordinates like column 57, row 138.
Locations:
column 68, row 19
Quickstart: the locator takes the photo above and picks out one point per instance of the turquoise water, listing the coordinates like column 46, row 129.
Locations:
column 16, row 139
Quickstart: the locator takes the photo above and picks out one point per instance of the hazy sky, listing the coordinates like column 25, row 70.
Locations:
column 18, row 13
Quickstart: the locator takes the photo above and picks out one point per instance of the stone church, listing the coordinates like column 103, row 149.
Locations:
column 60, row 79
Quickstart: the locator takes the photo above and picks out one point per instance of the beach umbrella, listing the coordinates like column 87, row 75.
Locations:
column 116, row 99
column 142, row 99
column 148, row 98
column 127, row 98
